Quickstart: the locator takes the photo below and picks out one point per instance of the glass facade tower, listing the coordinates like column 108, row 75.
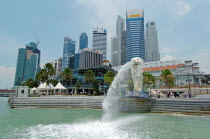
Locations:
column 83, row 41
column 68, row 53
column 27, row 63
column 135, row 43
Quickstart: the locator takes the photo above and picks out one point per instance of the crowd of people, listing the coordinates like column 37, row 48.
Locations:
column 175, row 95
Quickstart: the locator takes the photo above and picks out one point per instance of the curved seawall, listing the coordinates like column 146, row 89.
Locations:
column 94, row 102
column 189, row 106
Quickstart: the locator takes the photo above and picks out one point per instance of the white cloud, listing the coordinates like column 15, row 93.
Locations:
column 167, row 50
column 182, row 8
column 7, row 75
column 167, row 57
column 9, row 45
column 203, row 59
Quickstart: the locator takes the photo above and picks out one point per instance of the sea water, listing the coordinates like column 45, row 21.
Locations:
column 56, row 123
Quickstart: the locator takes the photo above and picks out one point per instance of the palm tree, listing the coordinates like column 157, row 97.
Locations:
column 67, row 75
column 95, row 85
column 167, row 77
column 78, row 85
column 49, row 69
column 109, row 77
column 42, row 75
column 89, row 77
column 148, row 79
column 30, row 83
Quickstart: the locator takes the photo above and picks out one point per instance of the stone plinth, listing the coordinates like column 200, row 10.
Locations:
column 135, row 104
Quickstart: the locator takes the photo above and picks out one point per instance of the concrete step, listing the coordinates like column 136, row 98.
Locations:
column 182, row 108
column 180, row 105
column 179, row 110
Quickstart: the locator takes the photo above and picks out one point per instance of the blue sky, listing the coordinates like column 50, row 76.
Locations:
column 183, row 27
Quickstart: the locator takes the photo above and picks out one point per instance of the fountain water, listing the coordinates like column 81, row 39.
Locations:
column 127, row 81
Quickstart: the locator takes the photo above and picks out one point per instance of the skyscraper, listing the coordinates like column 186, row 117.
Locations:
column 59, row 65
column 27, row 63
column 83, row 41
column 123, row 47
column 55, row 66
column 135, row 45
column 116, row 60
column 68, row 53
column 152, row 50
column 120, row 25
column 100, row 41
column 116, row 42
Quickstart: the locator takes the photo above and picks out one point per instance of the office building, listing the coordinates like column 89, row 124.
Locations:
column 55, row 66
column 120, row 25
column 123, row 47
column 135, row 45
column 151, row 43
column 89, row 58
column 116, row 53
column 79, row 75
column 83, row 41
column 100, row 41
column 116, row 42
column 59, row 65
column 27, row 63
column 76, row 61
column 68, row 53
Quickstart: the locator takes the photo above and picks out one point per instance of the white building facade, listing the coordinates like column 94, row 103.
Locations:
column 100, row 40
column 185, row 73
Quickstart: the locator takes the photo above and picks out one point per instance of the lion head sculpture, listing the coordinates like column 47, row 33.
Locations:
column 137, row 62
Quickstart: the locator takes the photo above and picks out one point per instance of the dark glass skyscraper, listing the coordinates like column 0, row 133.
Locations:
column 83, row 41
column 68, row 53
column 27, row 63
column 135, row 45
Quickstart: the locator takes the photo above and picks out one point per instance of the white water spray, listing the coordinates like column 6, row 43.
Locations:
column 129, row 78
column 121, row 83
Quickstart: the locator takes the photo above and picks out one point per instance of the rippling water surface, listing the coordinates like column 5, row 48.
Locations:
column 88, row 124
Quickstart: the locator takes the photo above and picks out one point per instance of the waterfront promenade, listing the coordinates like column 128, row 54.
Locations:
column 181, row 105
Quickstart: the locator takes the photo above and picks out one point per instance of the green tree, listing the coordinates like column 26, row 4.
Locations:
column 78, row 85
column 95, row 85
column 42, row 75
column 53, row 82
column 148, row 79
column 30, row 83
column 49, row 69
column 167, row 77
column 109, row 77
column 45, row 72
column 67, row 75
column 89, row 77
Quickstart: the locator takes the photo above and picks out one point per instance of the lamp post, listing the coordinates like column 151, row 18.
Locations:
column 206, row 85
column 194, row 83
column 18, row 87
column 189, row 85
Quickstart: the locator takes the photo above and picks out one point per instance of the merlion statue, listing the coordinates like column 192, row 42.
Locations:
column 137, row 65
